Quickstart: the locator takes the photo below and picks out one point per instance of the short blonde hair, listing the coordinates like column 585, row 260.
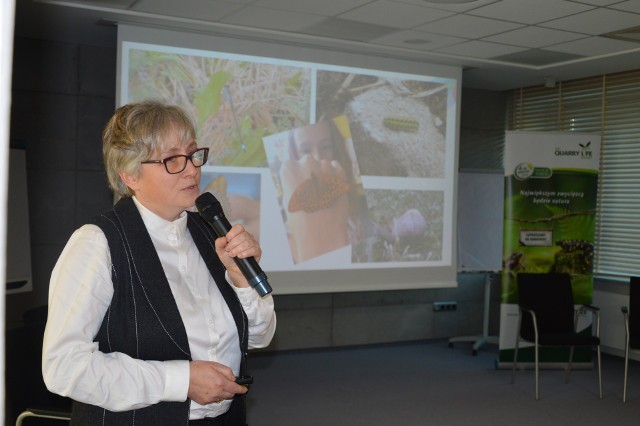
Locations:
column 135, row 132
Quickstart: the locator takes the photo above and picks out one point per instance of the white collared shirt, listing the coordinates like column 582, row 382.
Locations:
column 80, row 293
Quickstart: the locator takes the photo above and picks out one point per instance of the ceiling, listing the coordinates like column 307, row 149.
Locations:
column 501, row 44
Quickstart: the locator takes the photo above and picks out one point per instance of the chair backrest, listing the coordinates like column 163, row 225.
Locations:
column 550, row 296
column 25, row 386
column 634, row 312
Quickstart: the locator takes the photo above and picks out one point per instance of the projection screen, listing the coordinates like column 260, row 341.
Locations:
column 341, row 164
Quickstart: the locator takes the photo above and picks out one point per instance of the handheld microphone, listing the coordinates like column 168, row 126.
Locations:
column 211, row 211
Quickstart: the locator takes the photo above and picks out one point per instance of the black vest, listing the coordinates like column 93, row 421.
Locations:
column 143, row 320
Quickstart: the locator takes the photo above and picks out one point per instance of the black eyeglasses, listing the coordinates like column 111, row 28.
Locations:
column 177, row 163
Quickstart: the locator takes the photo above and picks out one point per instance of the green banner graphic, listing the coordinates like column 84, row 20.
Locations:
column 551, row 182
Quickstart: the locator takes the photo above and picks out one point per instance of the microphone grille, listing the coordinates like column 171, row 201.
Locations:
column 209, row 203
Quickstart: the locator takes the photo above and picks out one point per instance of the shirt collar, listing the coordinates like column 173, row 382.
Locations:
column 158, row 226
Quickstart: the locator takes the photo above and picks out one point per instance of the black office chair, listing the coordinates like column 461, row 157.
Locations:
column 28, row 401
column 631, row 327
column 548, row 318
column 43, row 417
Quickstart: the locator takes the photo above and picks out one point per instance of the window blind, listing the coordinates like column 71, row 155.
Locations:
column 608, row 105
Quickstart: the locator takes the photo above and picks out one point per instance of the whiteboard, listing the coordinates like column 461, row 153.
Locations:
column 480, row 219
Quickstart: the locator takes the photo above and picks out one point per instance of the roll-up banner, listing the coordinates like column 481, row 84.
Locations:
column 550, row 194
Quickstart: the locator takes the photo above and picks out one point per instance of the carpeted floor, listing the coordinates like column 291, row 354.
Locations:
column 428, row 383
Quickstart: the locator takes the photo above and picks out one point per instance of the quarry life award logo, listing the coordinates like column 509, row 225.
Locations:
column 584, row 151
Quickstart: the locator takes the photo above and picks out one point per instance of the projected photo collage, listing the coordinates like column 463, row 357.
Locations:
column 328, row 168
